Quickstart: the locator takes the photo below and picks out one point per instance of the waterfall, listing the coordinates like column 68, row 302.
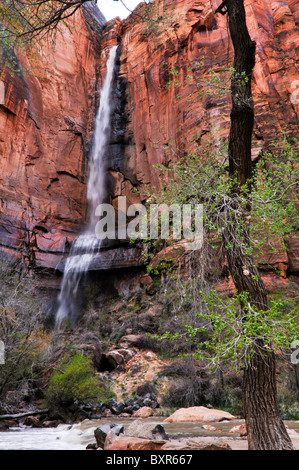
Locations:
column 87, row 244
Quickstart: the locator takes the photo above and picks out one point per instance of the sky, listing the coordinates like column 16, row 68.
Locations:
column 111, row 8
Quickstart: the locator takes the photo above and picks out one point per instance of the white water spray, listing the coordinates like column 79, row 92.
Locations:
column 87, row 244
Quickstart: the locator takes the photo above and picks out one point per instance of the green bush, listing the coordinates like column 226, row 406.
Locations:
column 22, row 331
column 75, row 381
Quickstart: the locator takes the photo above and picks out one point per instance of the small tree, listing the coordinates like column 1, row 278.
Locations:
column 21, row 330
column 240, row 331
column 265, row 427
column 235, row 199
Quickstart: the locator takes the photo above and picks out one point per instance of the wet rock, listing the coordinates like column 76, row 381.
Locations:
column 293, row 254
column 7, row 423
column 33, row 421
column 92, row 446
column 45, row 126
column 101, row 432
column 210, row 428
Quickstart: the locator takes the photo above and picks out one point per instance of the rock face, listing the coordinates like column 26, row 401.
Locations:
column 166, row 64
column 160, row 68
column 47, row 120
column 45, row 130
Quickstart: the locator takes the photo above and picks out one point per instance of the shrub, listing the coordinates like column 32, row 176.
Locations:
column 190, row 386
column 22, row 331
column 185, row 393
column 146, row 388
column 75, row 381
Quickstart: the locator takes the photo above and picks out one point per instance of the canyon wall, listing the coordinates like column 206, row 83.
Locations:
column 46, row 122
column 166, row 64
column 45, row 131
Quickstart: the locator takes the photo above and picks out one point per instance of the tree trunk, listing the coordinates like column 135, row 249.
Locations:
column 265, row 428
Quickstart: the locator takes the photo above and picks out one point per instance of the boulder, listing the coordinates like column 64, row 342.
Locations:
column 33, row 421
column 92, row 446
column 135, row 443
column 101, row 432
column 47, row 118
column 152, row 431
column 200, row 414
column 143, row 412
column 241, row 429
column 196, row 443
column 8, row 423
column 110, row 438
column 117, row 358
column 46, row 123
column 210, row 428
column 129, row 341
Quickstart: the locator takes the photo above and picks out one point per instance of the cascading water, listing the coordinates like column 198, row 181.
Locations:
column 87, row 244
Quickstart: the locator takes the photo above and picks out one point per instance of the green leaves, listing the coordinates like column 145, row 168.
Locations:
column 26, row 27
column 76, row 380
column 260, row 217
column 236, row 334
column 272, row 194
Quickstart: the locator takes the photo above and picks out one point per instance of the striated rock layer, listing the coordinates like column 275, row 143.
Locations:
column 46, row 122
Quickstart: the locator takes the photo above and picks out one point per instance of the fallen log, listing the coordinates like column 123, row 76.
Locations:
column 23, row 415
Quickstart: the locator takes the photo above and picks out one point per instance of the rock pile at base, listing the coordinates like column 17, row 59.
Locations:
column 129, row 407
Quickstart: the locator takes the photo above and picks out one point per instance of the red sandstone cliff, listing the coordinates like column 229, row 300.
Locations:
column 45, row 125
column 164, row 118
column 45, row 128
column 162, row 112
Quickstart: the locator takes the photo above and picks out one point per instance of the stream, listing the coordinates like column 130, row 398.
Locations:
column 78, row 436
